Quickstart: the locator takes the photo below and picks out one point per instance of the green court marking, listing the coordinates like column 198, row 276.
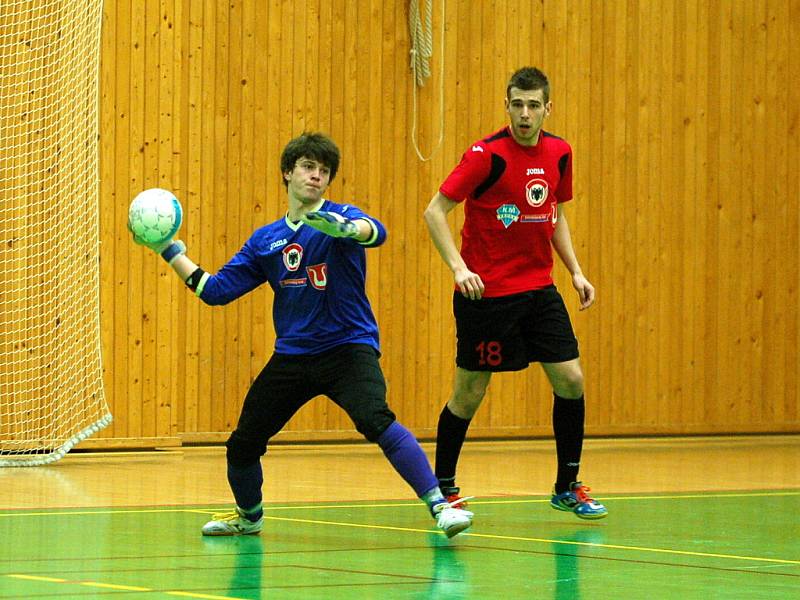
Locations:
column 451, row 564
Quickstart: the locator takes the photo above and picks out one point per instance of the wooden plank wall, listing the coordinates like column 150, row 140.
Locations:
column 683, row 117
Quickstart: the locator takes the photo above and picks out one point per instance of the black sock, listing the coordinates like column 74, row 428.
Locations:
column 450, row 436
column 246, row 482
column 568, row 416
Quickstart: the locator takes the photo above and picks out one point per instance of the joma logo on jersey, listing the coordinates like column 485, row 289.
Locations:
column 292, row 256
column 277, row 244
column 318, row 276
column 536, row 191
column 535, row 171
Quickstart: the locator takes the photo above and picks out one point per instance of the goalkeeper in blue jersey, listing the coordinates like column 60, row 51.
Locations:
column 327, row 338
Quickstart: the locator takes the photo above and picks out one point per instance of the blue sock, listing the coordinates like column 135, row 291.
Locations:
column 246, row 484
column 407, row 458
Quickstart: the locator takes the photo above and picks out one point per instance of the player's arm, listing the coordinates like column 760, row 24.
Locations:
column 562, row 242
column 234, row 280
column 174, row 254
column 469, row 283
column 368, row 232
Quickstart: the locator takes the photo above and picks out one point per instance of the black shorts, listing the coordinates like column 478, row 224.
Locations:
column 350, row 375
column 510, row 332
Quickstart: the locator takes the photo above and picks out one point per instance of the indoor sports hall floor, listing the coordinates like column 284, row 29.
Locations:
column 689, row 518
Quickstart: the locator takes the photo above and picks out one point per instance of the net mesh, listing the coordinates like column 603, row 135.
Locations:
column 51, row 392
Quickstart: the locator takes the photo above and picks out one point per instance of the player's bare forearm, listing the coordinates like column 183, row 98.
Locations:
column 436, row 219
column 562, row 243
column 469, row 283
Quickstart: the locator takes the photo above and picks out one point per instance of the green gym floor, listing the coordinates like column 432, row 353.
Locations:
column 725, row 545
column 704, row 518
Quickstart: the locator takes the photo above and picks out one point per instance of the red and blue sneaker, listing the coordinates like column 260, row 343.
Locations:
column 578, row 501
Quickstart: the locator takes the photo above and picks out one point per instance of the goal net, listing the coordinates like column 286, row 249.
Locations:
column 51, row 388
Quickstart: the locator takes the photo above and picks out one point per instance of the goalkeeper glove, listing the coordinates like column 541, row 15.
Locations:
column 331, row 223
column 169, row 249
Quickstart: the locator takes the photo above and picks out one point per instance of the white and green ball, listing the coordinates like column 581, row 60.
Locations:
column 155, row 215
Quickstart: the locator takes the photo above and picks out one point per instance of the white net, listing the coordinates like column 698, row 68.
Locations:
column 51, row 390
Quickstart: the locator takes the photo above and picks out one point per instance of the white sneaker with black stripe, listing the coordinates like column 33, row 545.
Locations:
column 233, row 523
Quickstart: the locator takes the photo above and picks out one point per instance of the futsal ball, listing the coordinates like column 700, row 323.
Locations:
column 155, row 215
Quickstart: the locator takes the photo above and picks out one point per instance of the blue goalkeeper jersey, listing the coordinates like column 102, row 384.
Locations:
column 318, row 280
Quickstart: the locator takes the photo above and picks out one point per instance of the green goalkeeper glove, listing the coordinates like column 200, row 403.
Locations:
column 331, row 223
column 169, row 249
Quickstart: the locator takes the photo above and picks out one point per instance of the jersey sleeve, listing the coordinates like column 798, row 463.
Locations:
column 468, row 174
column 564, row 189
column 238, row 277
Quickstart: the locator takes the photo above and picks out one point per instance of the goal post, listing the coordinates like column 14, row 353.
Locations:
column 51, row 386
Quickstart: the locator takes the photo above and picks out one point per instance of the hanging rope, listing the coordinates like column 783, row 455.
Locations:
column 421, row 40
column 421, row 53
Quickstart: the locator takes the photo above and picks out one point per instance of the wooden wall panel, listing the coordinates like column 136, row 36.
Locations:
column 684, row 122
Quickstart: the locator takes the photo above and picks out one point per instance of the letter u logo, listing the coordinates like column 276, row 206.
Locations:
column 318, row 276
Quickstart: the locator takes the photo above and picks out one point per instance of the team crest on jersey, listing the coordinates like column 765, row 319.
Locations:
column 318, row 276
column 507, row 214
column 292, row 256
column 536, row 191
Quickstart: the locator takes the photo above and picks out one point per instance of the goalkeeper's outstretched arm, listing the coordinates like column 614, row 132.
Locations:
column 365, row 231
column 234, row 280
column 174, row 253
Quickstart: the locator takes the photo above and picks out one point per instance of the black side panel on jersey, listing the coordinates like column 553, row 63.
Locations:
column 562, row 164
column 496, row 171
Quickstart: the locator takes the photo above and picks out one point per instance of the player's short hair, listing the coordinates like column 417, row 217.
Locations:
column 529, row 78
column 316, row 146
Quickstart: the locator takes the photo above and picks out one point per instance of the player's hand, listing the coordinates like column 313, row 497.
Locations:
column 331, row 223
column 157, row 248
column 164, row 249
column 585, row 290
column 469, row 283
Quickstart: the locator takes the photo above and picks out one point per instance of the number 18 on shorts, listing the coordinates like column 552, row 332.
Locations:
column 510, row 332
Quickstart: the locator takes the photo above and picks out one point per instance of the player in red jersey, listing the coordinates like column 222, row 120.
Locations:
column 508, row 313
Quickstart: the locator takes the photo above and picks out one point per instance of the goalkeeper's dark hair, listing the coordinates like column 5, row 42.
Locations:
column 529, row 78
column 313, row 145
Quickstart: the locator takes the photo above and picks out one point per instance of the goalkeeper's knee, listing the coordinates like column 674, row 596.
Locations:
column 242, row 451
column 372, row 424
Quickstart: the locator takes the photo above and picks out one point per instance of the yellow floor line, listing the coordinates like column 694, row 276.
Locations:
column 36, row 578
column 547, row 541
column 409, row 503
column 111, row 586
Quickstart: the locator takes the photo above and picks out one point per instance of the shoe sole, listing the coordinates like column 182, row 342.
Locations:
column 456, row 529
column 585, row 517
column 592, row 517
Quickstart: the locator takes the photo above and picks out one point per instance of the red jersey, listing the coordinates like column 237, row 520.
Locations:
column 512, row 194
